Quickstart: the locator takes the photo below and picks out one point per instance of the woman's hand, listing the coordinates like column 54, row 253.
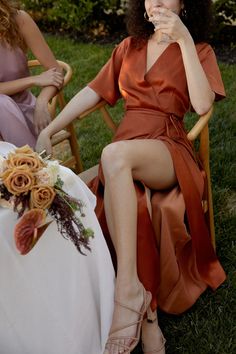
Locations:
column 41, row 116
column 200, row 92
column 170, row 23
column 50, row 77
column 44, row 142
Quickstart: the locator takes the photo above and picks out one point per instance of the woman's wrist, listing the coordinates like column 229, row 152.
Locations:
column 186, row 40
column 42, row 101
column 45, row 133
column 29, row 82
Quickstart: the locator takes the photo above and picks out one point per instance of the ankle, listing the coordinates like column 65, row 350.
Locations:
column 129, row 290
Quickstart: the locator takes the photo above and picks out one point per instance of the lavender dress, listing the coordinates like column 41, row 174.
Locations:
column 16, row 111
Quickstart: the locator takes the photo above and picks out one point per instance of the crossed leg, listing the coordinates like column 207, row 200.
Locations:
column 123, row 162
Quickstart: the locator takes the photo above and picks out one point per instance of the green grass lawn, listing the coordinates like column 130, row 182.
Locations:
column 210, row 326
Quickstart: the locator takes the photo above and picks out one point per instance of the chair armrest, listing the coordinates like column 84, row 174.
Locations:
column 68, row 71
column 100, row 104
column 89, row 174
column 33, row 62
column 198, row 127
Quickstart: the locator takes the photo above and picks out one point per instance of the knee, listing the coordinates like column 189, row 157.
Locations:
column 114, row 159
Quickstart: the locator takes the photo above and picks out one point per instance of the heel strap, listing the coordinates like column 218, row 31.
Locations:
column 147, row 299
column 151, row 315
column 130, row 308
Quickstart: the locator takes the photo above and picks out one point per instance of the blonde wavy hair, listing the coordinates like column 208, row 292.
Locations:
column 9, row 30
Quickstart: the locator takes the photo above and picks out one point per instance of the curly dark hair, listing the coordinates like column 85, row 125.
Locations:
column 197, row 17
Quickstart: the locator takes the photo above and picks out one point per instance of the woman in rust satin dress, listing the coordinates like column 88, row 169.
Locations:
column 168, row 253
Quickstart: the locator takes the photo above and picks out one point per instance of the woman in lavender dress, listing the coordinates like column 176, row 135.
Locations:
column 22, row 116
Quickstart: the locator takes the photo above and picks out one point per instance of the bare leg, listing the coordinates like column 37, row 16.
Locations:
column 118, row 207
column 149, row 161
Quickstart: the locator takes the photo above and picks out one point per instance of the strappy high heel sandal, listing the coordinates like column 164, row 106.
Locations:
column 151, row 318
column 115, row 340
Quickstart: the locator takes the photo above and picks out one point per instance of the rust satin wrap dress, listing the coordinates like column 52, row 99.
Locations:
column 176, row 260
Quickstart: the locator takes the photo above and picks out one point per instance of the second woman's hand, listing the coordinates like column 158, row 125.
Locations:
column 41, row 116
column 44, row 142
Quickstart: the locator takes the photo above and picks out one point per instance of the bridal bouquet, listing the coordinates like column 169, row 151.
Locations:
column 32, row 187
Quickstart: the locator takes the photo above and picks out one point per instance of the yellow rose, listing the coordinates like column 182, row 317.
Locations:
column 26, row 149
column 41, row 196
column 18, row 180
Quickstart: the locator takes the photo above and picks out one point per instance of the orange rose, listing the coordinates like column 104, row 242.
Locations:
column 41, row 196
column 26, row 149
column 29, row 229
column 18, row 180
column 31, row 160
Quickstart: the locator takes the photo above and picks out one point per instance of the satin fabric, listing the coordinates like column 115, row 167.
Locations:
column 17, row 111
column 176, row 260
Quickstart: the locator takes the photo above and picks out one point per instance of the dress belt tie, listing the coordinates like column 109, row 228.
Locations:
column 177, row 124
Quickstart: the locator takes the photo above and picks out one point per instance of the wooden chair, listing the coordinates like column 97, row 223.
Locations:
column 68, row 134
column 199, row 131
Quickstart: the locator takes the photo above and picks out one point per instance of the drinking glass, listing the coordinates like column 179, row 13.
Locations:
column 161, row 37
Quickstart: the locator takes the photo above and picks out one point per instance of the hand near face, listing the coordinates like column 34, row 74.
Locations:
column 169, row 23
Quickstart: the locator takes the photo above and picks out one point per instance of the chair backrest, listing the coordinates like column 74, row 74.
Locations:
column 201, row 131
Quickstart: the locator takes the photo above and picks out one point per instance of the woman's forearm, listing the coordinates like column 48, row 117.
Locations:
column 46, row 94
column 12, row 87
column 84, row 100
column 48, row 80
column 200, row 92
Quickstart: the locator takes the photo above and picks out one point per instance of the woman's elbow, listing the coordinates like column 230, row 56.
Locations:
column 203, row 107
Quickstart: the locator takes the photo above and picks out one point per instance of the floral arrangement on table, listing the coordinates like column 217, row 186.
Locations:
column 32, row 187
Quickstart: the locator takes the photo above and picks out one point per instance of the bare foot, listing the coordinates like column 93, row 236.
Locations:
column 153, row 340
column 130, row 307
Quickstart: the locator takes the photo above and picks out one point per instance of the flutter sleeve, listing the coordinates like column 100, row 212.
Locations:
column 209, row 63
column 106, row 83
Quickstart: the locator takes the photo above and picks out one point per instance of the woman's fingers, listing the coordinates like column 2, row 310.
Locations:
column 170, row 23
column 49, row 77
column 57, row 77
column 41, row 118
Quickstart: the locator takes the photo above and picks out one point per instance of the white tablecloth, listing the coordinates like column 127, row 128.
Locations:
column 54, row 300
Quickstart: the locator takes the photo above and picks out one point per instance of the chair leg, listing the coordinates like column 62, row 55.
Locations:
column 75, row 148
column 72, row 139
column 204, row 157
column 210, row 212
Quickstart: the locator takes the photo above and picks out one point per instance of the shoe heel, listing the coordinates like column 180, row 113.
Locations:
column 151, row 315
